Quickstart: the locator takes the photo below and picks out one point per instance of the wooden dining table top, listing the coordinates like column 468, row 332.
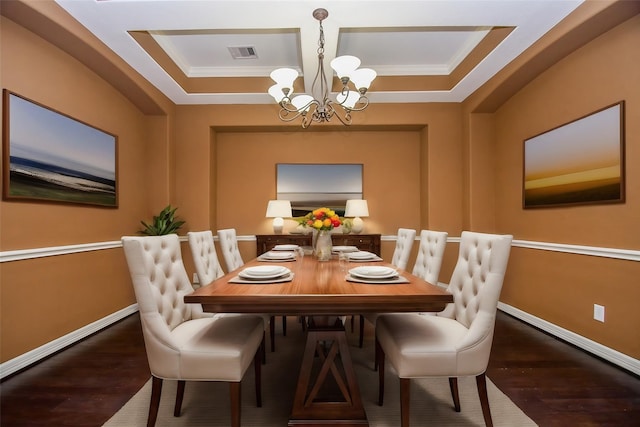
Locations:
column 319, row 287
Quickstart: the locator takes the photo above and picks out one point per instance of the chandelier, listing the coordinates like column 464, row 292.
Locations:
column 319, row 107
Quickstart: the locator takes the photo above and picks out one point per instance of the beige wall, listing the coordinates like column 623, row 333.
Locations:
column 557, row 287
column 450, row 169
column 44, row 299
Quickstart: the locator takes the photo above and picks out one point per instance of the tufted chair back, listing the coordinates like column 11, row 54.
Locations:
column 430, row 253
column 476, row 283
column 404, row 243
column 205, row 257
column 229, row 248
column 160, row 283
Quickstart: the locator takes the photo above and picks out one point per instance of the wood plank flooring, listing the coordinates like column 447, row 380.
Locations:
column 554, row 383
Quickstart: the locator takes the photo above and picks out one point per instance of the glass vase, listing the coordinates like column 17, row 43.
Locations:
column 323, row 246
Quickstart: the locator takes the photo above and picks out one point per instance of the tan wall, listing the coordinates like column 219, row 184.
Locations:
column 468, row 168
column 44, row 299
column 562, row 288
column 411, row 156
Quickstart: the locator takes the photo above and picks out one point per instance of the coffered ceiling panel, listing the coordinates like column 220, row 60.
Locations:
column 221, row 52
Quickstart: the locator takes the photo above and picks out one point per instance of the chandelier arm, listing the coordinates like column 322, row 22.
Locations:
column 320, row 108
column 346, row 120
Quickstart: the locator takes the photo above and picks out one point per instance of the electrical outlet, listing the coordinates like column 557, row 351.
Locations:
column 598, row 312
column 195, row 278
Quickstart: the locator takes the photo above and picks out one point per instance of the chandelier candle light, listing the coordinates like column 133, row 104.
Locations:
column 319, row 107
column 278, row 209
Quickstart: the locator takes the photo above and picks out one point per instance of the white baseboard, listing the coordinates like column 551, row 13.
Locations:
column 606, row 353
column 35, row 355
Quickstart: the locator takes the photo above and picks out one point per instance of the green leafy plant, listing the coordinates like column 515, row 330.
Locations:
column 165, row 222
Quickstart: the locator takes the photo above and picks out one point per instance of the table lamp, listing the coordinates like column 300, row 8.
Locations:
column 278, row 209
column 355, row 209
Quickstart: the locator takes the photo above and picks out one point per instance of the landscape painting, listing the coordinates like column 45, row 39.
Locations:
column 49, row 156
column 311, row 186
column 579, row 163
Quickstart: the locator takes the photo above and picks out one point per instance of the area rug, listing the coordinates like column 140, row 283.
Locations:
column 207, row 404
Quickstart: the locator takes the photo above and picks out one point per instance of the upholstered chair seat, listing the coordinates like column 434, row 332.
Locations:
column 182, row 342
column 456, row 341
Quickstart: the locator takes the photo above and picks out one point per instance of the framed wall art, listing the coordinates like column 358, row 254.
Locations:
column 309, row 186
column 579, row 163
column 49, row 156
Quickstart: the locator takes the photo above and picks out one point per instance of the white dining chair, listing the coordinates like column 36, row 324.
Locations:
column 457, row 341
column 182, row 342
column 428, row 263
column 229, row 247
column 400, row 259
column 402, row 251
column 207, row 265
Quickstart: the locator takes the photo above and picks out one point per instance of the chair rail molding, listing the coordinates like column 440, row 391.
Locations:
column 616, row 253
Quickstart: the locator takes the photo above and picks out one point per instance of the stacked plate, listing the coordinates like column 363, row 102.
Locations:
column 363, row 256
column 338, row 249
column 277, row 256
column 373, row 273
column 285, row 247
column 264, row 272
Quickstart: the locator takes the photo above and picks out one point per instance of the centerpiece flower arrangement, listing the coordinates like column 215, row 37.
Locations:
column 323, row 220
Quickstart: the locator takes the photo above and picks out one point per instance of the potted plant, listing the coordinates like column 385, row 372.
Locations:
column 165, row 222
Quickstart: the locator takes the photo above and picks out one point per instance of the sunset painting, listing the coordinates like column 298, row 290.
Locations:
column 578, row 163
column 50, row 156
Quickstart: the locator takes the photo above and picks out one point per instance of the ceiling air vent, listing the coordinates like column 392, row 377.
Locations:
column 243, row 52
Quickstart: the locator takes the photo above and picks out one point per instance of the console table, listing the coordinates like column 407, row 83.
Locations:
column 364, row 242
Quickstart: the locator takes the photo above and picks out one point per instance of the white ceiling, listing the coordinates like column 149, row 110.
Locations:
column 395, row 38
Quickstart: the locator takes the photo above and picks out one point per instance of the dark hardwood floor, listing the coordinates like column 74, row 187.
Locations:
column 554, row 383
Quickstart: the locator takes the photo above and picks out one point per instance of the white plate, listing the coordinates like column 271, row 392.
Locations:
column 264, row 272
column 362, row 255
column 373, row 272
column 344, row 249
column 278, row 255
column 285, row 247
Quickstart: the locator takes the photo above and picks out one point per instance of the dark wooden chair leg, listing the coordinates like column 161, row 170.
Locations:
column 481, row 382
column 179, row 396
column 380, row 358
column 405, row 398
column 375, row 356
column 258, row 374
column 361, row 331
column 284, row 326
column 353, row 321
column 272, row 332
column 263, row 349
column 234, row 391
column 453, row 386
column 156, row 391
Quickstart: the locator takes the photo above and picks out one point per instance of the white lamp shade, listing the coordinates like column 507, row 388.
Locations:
column 302, row 102
column 279, row 209
column 356, row 208
column 284, row 76
column 363, row 77
column 345, row 65
column 348, row 101
column 278, row 93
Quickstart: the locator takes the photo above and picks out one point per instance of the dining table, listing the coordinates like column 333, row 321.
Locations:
column 322, row 293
